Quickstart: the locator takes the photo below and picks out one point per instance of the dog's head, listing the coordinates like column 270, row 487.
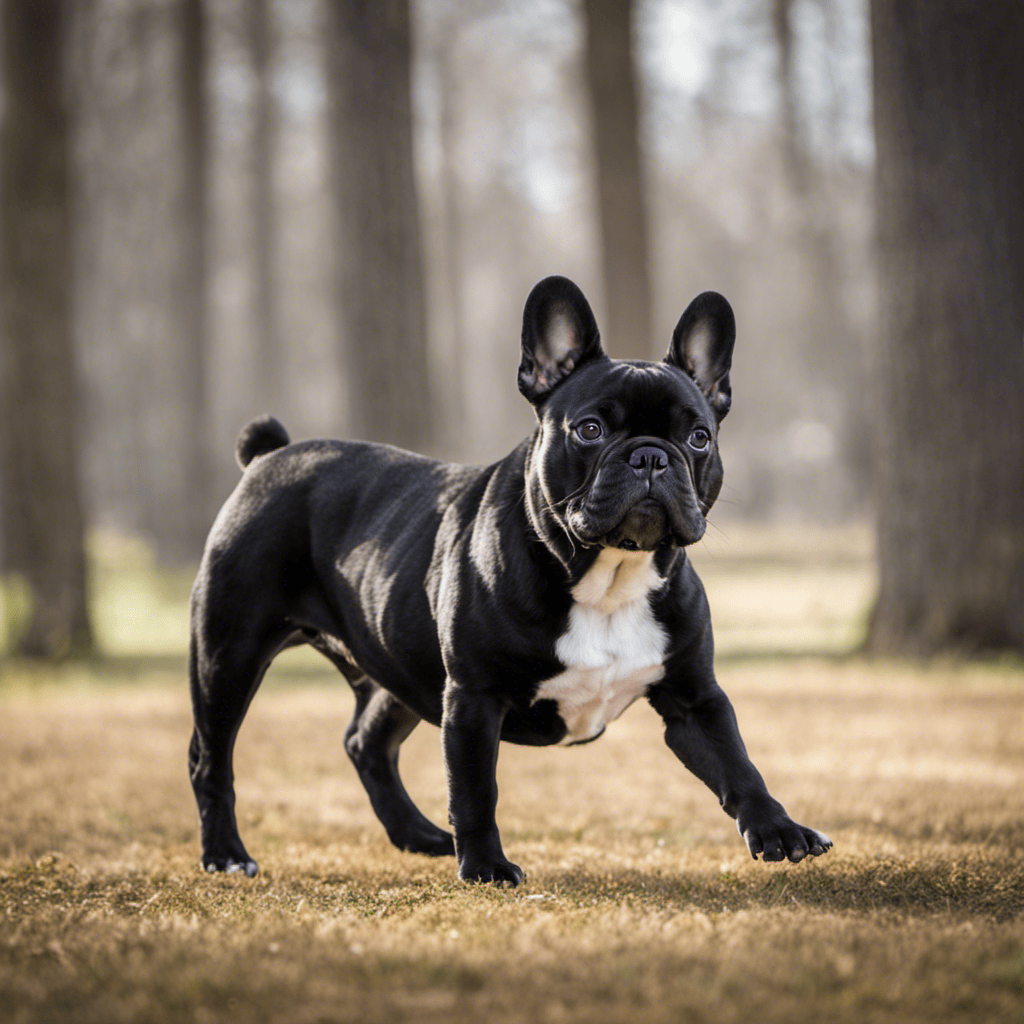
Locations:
column 627, row 452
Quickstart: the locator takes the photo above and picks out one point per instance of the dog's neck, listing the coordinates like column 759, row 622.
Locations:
column 617, row 578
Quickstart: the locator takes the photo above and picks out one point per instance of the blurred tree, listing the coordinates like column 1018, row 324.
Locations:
column 43, row 519
column 949, row 126
column 189, row 526
column 269, row 368
column 793, row 144
column 621, row 188
column 831, row 351
column 453, row 237
column 115, row 341
column 382, row 306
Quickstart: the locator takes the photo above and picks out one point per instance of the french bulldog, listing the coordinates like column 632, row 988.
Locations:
column 532, row 600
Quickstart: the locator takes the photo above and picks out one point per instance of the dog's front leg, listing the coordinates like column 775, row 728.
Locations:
column 470, row 734
column 703, row 733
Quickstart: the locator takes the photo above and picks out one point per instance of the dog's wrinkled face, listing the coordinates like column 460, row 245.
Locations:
column 628, row 451
column 629, row 455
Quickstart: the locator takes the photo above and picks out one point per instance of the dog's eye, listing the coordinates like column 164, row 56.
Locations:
column 590, row 430
column 699, row 440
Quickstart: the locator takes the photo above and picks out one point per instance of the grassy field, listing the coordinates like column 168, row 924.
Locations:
column 641, row 903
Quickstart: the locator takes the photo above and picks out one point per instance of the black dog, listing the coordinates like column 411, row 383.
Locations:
column 531, row 601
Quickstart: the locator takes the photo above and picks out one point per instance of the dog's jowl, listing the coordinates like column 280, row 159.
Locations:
column 532, row 600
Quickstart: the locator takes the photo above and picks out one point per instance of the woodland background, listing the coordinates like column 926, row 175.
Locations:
column 334, row 211
column 229, row 254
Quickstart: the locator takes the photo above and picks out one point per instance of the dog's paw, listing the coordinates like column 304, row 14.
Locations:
column 231, row 867
column 777, row 837
column 500, row 872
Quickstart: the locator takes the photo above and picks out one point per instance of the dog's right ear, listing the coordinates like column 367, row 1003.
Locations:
column 559, row 334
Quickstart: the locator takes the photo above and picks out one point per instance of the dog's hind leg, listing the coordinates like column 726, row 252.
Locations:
column 223, row 679
column 379, row 726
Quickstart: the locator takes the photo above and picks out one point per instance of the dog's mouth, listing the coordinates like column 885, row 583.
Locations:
column 620, row 507
column 643, row 528
column 647, row 525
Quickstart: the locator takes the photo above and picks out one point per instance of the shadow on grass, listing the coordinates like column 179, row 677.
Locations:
column 968, row 886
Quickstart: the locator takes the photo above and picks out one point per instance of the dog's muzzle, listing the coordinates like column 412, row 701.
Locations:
column 640, row 499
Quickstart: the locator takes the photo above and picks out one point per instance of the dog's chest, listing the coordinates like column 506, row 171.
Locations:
column 613, row 648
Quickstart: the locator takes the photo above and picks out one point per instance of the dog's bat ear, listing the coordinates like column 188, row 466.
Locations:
column 559, row 334
column 702, row 347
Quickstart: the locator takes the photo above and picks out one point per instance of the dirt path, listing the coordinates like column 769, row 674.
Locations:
column 641, row 902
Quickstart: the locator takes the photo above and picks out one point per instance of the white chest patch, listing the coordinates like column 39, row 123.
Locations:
column 613, row 649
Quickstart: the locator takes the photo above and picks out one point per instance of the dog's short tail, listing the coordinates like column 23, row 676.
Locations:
column 264, row 434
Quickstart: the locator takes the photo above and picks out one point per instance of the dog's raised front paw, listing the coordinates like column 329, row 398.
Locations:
column 501, row 872
column 777, row 837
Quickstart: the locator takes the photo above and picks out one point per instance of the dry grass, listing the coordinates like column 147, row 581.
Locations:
column 641, row 903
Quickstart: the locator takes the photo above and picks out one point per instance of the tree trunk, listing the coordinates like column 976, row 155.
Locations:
column 794, row 150
column 43, row 517
column 453, row 240
column 267, row 354
column 830, row 352
column 381, row 292
column 949, row 124
column 612, row 84
column 195, row 517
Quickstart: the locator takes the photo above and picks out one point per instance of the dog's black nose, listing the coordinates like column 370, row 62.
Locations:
column 649, row 459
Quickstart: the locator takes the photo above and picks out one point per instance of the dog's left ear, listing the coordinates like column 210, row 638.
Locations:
column 702, row 347
column 559, row 334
